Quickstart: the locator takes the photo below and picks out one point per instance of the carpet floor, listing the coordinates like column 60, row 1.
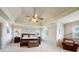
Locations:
column 44, row 47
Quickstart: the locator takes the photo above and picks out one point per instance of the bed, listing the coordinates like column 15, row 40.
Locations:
column 29, row 40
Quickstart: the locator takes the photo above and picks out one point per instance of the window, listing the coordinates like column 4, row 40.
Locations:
column 76, row 32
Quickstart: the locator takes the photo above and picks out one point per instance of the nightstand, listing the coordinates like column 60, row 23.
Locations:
column 16, row 39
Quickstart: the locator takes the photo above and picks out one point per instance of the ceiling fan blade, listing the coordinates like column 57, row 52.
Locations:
column 30, row 19
column 37, row 21
column 41, row 18
column 27, row 16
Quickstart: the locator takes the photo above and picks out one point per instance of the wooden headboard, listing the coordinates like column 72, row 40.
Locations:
column 27, row 34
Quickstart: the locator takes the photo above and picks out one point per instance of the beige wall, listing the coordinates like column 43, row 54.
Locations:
column 51, row 33
column 26, row 30
column 68, row 28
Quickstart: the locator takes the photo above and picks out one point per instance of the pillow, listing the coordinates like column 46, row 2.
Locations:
column 25, row 36
column 32, row 35
column 69, row 44
column 68, row 41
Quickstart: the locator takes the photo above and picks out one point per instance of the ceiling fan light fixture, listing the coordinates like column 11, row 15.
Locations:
column 34, row 19
column 36, row 15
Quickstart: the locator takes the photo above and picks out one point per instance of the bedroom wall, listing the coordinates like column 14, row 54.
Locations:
column 26, row 30
column 51, row 33
column 68, row 28
column 6, row 33
column 31, row 30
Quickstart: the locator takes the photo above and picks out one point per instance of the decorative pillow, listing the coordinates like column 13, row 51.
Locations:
column 25, row 36
column 32, row 35
column 68, row 41
column 70, row 44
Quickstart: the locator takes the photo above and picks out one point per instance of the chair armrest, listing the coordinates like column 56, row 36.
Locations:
column 76, row 45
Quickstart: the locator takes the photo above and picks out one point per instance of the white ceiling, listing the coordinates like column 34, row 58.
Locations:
column 11, row 13
column 47, row 13
column 14, row 11
column 2, row 14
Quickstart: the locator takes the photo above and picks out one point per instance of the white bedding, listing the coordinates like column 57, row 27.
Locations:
column 29, row 37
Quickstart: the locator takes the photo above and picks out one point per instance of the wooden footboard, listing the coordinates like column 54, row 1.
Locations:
column 26, row 42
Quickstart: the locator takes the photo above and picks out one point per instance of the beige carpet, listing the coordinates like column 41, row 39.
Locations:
column 44, row 47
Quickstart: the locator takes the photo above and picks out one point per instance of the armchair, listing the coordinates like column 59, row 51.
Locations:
column 69, row 44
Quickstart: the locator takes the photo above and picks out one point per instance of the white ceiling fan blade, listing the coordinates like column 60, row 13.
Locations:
column 35, row 15
column 37, row 21
column 41, row 18
column 30, row 19
column 27, row 16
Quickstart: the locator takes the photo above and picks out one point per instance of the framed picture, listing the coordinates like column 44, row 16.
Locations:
column 7, row 30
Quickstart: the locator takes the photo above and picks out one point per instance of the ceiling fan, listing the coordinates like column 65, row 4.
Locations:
column 35, row 17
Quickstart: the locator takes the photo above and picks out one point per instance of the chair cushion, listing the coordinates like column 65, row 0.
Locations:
column 69, row 44
column 68, row 41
